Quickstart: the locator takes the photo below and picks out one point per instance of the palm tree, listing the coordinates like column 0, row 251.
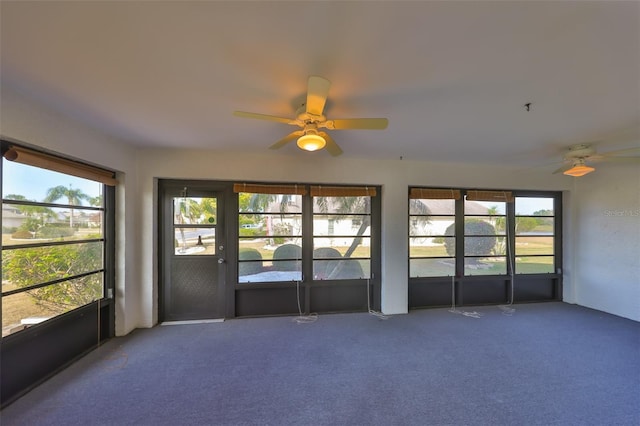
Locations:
column 96, row 201
column 74, row 197
column 262, row 202
column 186, row 212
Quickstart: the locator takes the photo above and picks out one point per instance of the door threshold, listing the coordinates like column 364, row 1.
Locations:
column 204, row 321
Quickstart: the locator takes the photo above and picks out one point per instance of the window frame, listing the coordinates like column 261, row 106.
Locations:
column 106, row 271
column 307, row 234
column 510, row 236
column 416, row 216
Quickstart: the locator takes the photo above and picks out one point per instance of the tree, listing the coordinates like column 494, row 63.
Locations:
column 74, row 197
column 344, row 206
column 259, row 203
column 186, row 211
column 96, row 201
column 417, row 207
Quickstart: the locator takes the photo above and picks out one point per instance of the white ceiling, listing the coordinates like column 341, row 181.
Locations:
column 452, row 77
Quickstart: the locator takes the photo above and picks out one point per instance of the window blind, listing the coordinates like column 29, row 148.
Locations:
column 434, row 194
column 505, row 196
column 342, row 191
column 269, row 189
column 61, row 165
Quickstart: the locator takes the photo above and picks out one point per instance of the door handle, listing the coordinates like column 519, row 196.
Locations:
column 221, row 261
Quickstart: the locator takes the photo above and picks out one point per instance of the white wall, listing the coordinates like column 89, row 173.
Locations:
column 33, row 124
column 606, row 240
column 601, row 263
column 395, row 176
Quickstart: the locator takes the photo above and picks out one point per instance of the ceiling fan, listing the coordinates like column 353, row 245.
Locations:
column 310, row 118
column 578, row 158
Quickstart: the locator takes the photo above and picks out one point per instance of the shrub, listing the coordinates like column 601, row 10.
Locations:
column 22, row 235
column 351, row 269
column 249, row 268
column 288, row 252
column 322, row 268
column 30, row 266
column 248, row 232
column 473, row 246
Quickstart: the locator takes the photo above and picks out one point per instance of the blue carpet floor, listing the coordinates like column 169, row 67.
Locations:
column 547, row 364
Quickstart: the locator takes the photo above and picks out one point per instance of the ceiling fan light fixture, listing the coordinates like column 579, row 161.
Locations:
column 579, row 170
column 311, row 142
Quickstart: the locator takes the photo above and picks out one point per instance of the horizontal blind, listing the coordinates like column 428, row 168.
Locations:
column 505, row 196
column 342, row 191
column 269, row 189
column 61, row 165
column 434, row 194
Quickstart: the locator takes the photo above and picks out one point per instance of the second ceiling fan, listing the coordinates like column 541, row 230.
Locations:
column 310, row 118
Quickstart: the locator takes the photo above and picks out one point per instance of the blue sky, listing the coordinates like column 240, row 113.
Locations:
column 33, row 182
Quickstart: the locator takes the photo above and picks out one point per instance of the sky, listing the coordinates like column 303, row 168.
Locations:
column 33, row 182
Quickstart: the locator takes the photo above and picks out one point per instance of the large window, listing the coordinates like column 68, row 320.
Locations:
column 470, row 232
column 485, row 237
column 535, row 235
column 432, row 230
column 275, row 223
column 341, row 233
column 53, row 244
column 269, row 233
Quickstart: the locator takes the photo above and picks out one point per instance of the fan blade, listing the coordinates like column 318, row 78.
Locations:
column 263, row 117
column 331, row 146
column 317, row 91
column 562, row 169
column 622, row 151
column 358, row 123
column 622, row 159
column 291, row 136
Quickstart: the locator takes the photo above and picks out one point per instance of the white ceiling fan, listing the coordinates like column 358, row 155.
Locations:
column 310, row 118
column 579, row 158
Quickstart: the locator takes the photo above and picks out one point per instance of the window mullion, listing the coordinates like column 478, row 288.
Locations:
column 459, row 236
column 511, row 238
column 307, row 242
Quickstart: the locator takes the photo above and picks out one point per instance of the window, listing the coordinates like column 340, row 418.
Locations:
column 276, row 221
column 485, row 242
column 53, row 242
column 432, row 227
column 477, row 232
column 194, row 225
column 535, row 235
column 270, row 233
column 341, row 233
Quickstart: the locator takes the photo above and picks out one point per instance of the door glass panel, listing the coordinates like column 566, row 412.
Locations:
column 195, row 241
column 189, row 238
column 194, row 211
